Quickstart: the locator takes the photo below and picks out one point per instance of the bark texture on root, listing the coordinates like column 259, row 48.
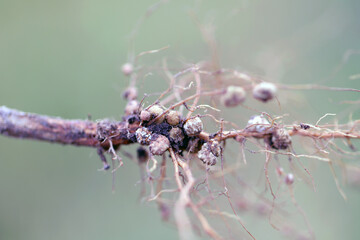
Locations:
column 19, row 124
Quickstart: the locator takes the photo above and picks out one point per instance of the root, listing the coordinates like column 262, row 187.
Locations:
column 184, row 200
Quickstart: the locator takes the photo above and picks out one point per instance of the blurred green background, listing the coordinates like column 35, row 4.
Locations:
column 64, row 58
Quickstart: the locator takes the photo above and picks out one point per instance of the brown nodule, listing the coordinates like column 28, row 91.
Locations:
column 279, row 139
column 145, row 115
column 193, row 126
column 156, row 111
column 142, row 155
column 159, row 145
column 173, row 118
column 176, row 135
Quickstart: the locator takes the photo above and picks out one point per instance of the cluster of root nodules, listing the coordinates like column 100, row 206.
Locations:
column 210, row 176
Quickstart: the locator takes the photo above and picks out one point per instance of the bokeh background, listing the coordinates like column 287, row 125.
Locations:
column 64, row 58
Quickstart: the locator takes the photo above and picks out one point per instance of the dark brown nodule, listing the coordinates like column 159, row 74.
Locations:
column 194, row 145
column 279, row 139
column 176, row 135
column 304, row 126
column 142, row 155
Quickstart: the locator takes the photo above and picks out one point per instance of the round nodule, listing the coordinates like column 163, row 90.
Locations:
column 258, row 123
column 142, row 155
column 159, row 145
column 206, row 154
column 173, row 118
column 145, row 115
column 280, row 139
column 130, row 93
column 132, row 107
column 127, row 69
column 233, row 96
column 176, row 135
column 193, row 126
column 289, row 179
column 264, row 91
column 143, row 136
column 156, row 111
